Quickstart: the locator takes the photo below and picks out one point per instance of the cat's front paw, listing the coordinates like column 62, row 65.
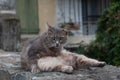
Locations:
column 101, row 64
column 34, row 69
column 67, row 69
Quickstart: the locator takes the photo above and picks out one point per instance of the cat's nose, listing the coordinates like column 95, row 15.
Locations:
column 57, row 44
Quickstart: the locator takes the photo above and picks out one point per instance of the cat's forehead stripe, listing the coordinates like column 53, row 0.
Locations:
column 57, row 32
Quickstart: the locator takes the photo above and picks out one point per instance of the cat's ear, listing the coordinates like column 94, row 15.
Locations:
column 50, row 29
column 49, row 26
column 65, row 31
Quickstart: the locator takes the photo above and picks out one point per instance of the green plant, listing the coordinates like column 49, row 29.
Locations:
column 115, row 1
column 108, row 33
column 107, row 44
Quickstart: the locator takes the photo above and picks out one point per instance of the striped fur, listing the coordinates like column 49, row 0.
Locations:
column 66, row 62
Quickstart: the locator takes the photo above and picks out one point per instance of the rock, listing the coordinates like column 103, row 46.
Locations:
column 9, row 60
column 22, row 76
column 10, row 70
column 94, row 74
column 4, row 75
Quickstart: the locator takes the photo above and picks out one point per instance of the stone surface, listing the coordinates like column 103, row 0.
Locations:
column 10, row 70
column 4, row 75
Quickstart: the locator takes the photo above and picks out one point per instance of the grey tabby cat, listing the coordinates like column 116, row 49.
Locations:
column 49, row 43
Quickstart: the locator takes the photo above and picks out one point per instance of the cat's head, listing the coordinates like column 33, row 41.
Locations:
column 56, row 37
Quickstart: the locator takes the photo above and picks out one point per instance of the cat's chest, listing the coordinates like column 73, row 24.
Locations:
column 48, row 52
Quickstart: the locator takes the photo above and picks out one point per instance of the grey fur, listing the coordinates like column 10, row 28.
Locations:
column 49, row 43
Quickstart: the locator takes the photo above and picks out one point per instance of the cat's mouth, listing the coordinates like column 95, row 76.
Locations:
column 54, row 48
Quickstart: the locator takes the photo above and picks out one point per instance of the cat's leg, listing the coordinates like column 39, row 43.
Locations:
column 54, row 64
column 81, row 60
column 33, row 66
column 64, row 68
column 88, row 62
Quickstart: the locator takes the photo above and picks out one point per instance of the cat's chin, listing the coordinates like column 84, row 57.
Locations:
column 54, row 48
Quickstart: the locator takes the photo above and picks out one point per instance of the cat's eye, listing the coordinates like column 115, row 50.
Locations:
column 54, row 39
column 61, row 39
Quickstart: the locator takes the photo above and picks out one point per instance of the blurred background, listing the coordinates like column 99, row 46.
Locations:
column 34, row 14
column 93, row 25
